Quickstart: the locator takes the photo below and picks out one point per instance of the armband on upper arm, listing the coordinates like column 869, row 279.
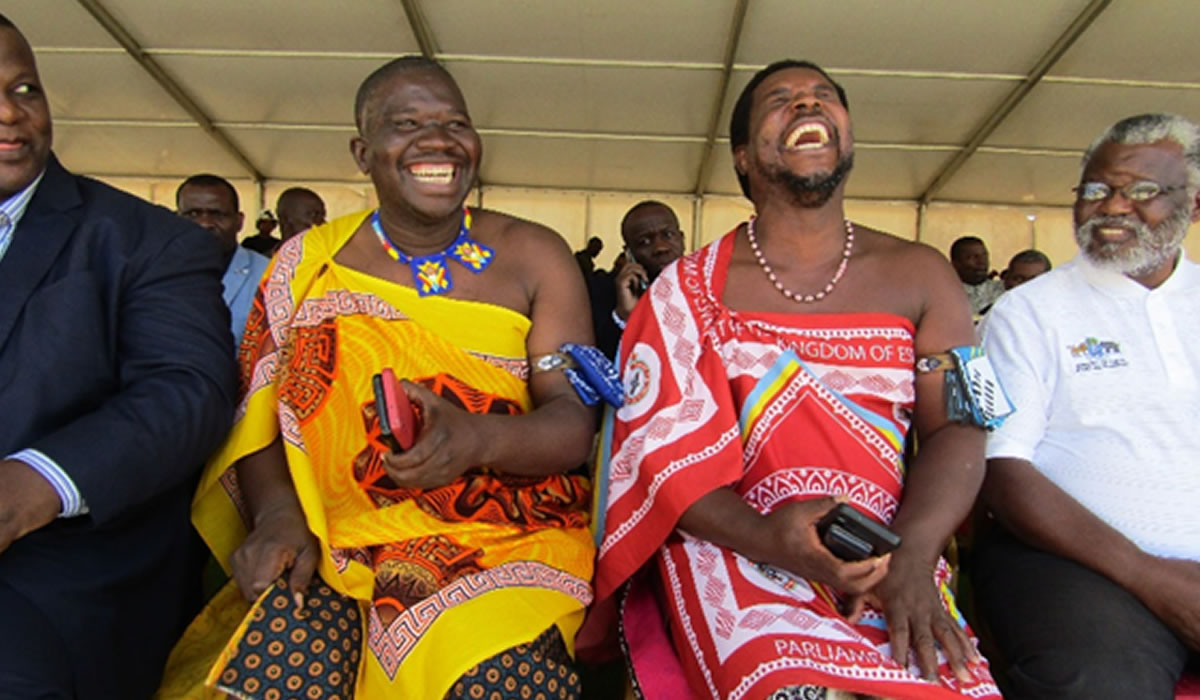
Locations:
column 591, row 374
column 974, row 394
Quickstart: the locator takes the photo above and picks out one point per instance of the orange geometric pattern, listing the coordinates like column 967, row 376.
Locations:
column 410, row 571
column 308, row 364
column 256, row 342
column 480, row 495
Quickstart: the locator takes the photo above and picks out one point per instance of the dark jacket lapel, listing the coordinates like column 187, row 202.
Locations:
column 43, row 231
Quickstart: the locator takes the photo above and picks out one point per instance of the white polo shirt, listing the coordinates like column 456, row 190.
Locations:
column 1105, row 375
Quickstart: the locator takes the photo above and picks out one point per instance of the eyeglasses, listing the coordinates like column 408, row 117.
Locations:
column 1140, row 191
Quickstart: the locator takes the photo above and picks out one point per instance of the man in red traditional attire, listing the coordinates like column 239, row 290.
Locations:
column 772, row 375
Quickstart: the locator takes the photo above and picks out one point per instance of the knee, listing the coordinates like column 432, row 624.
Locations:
column 1088, row 676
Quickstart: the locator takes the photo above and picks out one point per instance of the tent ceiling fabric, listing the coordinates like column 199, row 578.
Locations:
column 613, row 95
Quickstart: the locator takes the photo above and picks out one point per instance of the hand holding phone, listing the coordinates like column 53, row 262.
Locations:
column 639, row 284
column 852, row 536
column 397, row 419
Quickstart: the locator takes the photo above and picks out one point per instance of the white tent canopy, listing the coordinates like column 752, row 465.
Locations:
column 952, row 100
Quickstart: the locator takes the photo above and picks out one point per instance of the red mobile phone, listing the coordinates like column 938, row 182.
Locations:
column 396, row 416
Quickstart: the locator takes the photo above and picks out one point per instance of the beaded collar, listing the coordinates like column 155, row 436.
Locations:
column 430, row 273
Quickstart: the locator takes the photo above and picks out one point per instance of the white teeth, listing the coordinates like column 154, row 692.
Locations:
column 433, row 174
column 805, row 130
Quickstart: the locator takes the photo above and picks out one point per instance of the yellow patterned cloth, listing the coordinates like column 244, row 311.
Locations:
column 445, row 577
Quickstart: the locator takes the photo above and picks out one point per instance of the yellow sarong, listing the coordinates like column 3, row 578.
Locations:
column 445, row 577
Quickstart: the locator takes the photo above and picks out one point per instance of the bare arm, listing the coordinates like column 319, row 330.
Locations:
column 944, row 478
column 939, row 489
column 786, row 538
column 279, row 538
column 1043, row 515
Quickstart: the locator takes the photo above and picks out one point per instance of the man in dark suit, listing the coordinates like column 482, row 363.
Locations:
column 117, row 380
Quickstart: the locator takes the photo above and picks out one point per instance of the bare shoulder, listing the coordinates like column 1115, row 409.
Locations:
column 530, row 256
column 909, row 262
column 521, row 236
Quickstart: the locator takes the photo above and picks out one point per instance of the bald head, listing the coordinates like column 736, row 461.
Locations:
column 651, row 233
column 364, row 100
column 298, row 209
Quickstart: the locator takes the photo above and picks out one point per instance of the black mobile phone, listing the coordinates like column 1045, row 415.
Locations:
column 639, row 285
column 852, row 536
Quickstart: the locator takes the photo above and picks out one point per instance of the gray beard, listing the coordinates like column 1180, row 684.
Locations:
column 813, row 191
column 1155, row 246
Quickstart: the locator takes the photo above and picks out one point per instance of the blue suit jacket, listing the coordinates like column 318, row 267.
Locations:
column 116, row 362
column 245, row 271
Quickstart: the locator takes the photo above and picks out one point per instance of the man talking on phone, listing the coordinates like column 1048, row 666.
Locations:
column 117, row 378
column 652, row 241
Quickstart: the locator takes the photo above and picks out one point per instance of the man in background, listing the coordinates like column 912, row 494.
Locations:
column 969, row 256
column 1023, row 267
column 263, row 242
column 587, row 257
column 299, row 209
column 212, row 202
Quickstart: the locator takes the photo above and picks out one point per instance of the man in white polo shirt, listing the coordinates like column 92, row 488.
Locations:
column 1091, row 586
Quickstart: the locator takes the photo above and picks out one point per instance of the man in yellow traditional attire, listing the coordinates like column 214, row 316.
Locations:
column 462, row 563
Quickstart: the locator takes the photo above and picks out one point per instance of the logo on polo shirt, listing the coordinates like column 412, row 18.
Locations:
column 1094, row 354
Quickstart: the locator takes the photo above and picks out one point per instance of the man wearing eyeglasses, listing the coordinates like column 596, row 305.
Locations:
column 1091, row 583
column 212, row 202
column 652, row 241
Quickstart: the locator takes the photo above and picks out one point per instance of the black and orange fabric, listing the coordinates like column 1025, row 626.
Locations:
column 539, row 670
column 289, row 652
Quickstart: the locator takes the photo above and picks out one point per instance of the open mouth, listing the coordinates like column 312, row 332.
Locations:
column 433, row 173
column 1112, row 233
column 809, row 135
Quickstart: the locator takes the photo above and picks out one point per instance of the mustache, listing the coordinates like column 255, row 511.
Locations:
column 1152, row 245
column 1139, row 227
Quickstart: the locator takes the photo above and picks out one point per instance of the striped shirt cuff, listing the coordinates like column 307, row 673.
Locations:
column 617, row 320
column 72, row 501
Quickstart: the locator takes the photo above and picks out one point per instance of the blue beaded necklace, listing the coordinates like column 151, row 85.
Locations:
column 430, row 273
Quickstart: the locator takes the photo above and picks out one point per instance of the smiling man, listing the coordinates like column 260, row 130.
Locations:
column 117, row 378
column 467, row 551
column 1091, row 588
column 769, row 376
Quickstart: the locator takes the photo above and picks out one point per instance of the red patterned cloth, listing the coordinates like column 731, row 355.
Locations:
column 782, row 407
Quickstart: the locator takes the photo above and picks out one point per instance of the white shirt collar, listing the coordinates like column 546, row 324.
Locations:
column 1119, row 285
column 14, row 207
